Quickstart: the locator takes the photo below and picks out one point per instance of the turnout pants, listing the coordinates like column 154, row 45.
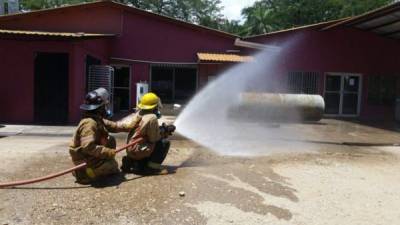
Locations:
column 99, row 168
column 154, row 161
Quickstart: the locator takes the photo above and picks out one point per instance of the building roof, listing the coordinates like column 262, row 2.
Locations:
column 110, row 3
column 221, row 57
column 384, row 21
column 310, row 26
column 54, row 34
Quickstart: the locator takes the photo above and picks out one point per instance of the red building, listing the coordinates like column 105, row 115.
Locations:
column 45, row 57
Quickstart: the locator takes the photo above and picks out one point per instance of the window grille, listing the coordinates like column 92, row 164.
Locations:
column 102, row 76
column 303, row 82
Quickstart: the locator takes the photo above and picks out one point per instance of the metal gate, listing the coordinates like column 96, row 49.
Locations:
column 102, row 76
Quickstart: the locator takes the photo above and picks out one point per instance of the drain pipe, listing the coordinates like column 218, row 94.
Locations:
column 54, row 175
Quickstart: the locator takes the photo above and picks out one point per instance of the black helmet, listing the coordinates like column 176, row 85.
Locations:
column 95, row 99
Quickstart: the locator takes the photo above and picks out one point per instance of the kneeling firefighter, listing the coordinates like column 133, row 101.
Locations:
column 91, row 142
column 147, row 156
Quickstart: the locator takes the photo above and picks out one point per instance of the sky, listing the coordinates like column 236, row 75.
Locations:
column 232, row 8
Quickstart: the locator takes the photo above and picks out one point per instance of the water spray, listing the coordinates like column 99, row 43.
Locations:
column 250, row 90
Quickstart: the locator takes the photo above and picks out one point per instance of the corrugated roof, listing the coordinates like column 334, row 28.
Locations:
column 55, row 34
column 314, row 26
column 220, row 57
column 384, row 21
column 111, row 3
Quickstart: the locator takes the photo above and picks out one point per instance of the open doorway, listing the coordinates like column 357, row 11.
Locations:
column 174, row 84
column 121, row 89
column 51, row 88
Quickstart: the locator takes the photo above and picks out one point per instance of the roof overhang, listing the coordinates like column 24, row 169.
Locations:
column 222, row 57
column 54, row 34
column 384, row 21
column 117, row 5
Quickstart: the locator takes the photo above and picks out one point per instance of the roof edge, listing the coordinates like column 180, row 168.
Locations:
column 117, row 5
column 170, row 18
column 383, row 9
column 298, row 28
column 54, row 34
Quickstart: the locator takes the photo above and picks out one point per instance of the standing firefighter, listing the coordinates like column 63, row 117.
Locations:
column 91, row 142
column 147, row 156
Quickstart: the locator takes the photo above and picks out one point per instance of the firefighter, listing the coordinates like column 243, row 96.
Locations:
column 91, row 142
column 147, row 156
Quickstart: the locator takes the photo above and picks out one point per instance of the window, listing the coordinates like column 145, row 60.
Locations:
column 173, row 83
column 382, row 90
column 303, row 82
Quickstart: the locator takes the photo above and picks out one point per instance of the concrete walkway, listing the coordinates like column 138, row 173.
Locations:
column 36, row 130
column 46, row 130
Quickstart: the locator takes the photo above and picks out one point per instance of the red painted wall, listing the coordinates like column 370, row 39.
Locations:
column 205, row 70
column 339, row 50
column 153, row 39
column 95, row 48
column 140, row 72
column 140, row 36
column 89, row 19
column 17, row 76
column 149, row 38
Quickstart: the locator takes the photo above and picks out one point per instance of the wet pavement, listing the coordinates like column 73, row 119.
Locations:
column 335, row 183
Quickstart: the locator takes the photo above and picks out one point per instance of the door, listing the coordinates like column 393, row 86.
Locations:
column 184, row 84
column 121, row 88
column 162, row 83
column 342, row 94
column 51, row 88
column 174, row 84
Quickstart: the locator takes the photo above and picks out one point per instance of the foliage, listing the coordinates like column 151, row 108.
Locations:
column 44, row 4
column 270, row 15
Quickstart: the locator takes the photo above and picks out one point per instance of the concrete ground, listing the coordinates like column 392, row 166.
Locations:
column 342, row 181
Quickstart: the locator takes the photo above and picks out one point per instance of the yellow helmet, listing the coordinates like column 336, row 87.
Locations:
column 149, row 101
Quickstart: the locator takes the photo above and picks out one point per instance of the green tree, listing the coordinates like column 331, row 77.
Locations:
column 270, row 15
column 231, row 26
column 44, row 4
column 357, row 7
column 259, row 18
column 202, row 12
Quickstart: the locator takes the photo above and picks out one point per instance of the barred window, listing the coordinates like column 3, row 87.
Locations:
column 303, row 82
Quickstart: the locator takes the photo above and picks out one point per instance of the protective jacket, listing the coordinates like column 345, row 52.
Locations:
column 92, row 144
column 145, row 126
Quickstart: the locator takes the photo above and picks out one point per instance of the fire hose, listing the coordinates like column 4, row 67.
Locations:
column 54, row 175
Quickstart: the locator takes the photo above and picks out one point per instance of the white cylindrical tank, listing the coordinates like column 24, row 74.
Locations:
column 278, row 107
